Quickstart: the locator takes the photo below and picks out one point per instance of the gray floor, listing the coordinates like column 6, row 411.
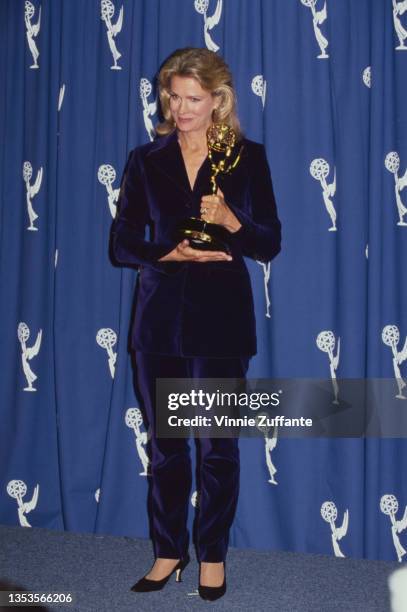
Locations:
column 99, row 571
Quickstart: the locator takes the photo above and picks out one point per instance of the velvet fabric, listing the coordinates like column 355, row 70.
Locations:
column 217, row 461
column 192, row 320
column 188, row 308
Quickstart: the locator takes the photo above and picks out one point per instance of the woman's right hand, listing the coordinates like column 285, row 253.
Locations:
column 183, row 252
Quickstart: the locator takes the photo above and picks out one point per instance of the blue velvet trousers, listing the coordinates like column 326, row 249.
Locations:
column 217, row 460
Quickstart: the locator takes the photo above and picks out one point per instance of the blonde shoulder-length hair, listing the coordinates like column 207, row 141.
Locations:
column 213, row 75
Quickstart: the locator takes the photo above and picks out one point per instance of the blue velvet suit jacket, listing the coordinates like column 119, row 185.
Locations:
column 189, row 308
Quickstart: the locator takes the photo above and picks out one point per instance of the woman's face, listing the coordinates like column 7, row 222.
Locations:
column 190, row 105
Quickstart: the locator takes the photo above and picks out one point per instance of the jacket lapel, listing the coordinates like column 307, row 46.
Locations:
column 166, row 157
column 167, row 160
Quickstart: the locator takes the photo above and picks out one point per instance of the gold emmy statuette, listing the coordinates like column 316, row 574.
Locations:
column 224, row 158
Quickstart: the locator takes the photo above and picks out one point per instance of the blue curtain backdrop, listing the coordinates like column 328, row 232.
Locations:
column 324, row 86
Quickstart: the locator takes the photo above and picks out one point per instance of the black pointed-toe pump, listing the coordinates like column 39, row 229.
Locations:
column 145, row 585
column 211, row 593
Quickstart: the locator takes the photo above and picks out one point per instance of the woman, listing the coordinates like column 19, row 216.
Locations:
column 195, row 314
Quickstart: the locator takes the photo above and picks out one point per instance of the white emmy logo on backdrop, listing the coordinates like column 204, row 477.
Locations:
column 367, row 76
column 398, row 590
column 399, row 8
column 17, row 489
column 391, row 338
column 195, row 497
column 389, row 505
column 201, row 7
column 326, row 344
column 61, row 96
column 23, row 333
column 367, row 251
column 107, row 338
column 329, row 513
column 107, row 10
column 259, row 86
column 107, row 176
column 32, row 30
column 134, row 420
column 318, row 18
column 56, row 258
column 31, row 192
column 149, row 108
column 319, row 170
column 392, row 163
column 266, row 272
column 269, row 445
column 97, row 495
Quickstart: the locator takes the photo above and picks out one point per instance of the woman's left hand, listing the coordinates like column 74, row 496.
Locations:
column 215, row 210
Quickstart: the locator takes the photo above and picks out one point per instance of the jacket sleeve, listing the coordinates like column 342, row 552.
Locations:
column 132, row 217
column 260, row 234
